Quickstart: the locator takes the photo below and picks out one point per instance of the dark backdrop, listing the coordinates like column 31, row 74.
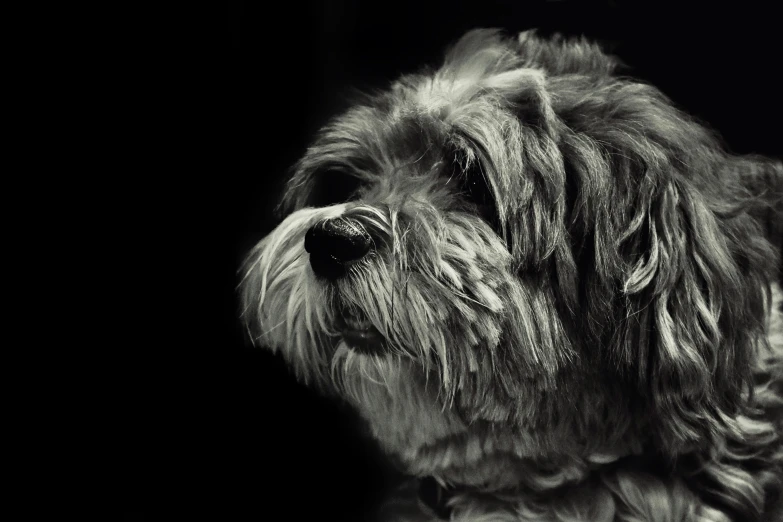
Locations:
column 216, row 102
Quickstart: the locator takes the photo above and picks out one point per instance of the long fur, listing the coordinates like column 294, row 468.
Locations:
column 572, row 279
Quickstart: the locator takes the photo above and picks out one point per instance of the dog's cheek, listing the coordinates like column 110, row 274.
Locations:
column 521, row 360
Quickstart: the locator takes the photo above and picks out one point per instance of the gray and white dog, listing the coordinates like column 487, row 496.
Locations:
column 550, row 293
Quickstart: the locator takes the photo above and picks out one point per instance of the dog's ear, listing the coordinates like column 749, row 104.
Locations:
column 693, row 270
column 667, row 276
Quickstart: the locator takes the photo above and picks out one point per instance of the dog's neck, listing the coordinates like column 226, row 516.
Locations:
column 500, row 475
column 429, row 440
column 462, row 455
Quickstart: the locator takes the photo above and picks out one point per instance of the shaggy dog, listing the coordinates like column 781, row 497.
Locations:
column 551, row 294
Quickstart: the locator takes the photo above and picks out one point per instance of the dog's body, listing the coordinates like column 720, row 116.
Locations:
column 542, row 286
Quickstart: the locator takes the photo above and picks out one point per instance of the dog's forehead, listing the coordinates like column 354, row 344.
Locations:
column 431, row 115
column 404, row 132
column 389, row 133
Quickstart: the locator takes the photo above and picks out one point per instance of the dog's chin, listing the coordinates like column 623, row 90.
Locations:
column 360, row 335
column 367, row 341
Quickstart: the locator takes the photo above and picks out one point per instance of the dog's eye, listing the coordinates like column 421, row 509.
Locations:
column 477, row 191
column 333, row 187
column 473, row 186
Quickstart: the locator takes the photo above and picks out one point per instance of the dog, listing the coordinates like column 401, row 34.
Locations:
column 551, row 294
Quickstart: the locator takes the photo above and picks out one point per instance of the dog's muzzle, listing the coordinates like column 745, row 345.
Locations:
column 335, row 244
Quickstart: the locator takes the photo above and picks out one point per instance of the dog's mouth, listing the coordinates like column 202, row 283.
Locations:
column 359, row 333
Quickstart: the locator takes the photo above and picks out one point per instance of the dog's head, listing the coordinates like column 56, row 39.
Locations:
column 518, row 259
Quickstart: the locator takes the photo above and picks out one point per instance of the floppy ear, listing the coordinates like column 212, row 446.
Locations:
column 692, row 300
column 672, row 266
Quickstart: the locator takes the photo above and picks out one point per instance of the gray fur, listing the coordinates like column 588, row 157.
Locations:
column 605, row 299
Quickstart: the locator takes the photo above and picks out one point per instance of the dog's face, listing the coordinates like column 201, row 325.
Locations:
column 518, row 259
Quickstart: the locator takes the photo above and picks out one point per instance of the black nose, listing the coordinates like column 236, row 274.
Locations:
column 334, row 244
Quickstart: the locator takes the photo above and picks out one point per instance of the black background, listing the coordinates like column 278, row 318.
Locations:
column 214, row 102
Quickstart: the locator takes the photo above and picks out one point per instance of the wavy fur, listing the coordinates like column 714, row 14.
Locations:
column 572, row 279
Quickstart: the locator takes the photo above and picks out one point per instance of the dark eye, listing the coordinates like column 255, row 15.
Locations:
column 332, row 187
column 476, row 189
